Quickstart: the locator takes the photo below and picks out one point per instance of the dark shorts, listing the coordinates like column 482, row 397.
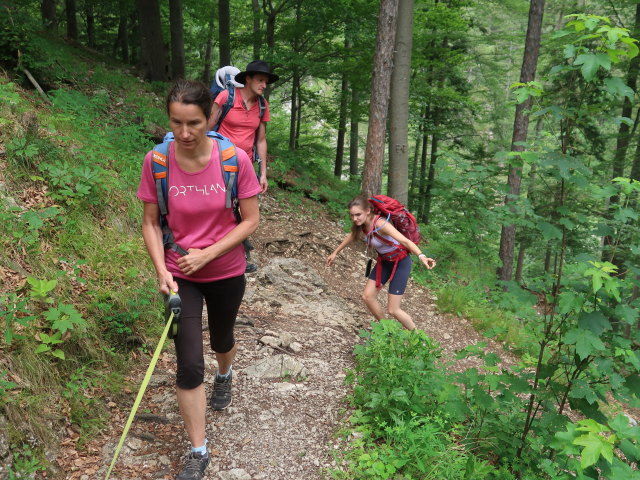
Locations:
column 223, row 299
column 400, row 278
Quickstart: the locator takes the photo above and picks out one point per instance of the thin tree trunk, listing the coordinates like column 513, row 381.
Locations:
column 399, row 105
column 295, row 81
column 622, row 142
column 177, row 39
column 134, row 48
column 547, row 259
column 423, row 167
column 49, row 15
column 520, row 262
column 206, row 74
column 378, row 107
column 72, row 21
column 255, row 6
column 432, row 174
column 271, row 31
column 624, row 132
column 296, row 143
column 153, row 56
column 414, row 172
column 342, row 122
column 224, row 32
column 520, row 126
column 354, row 138
column 122, row 41
column 414, row 188
column 91, row 23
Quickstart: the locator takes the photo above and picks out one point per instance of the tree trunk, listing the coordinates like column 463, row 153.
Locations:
column 378, row 107
column 354, row 138
column 296, row 143
column 547, row 259
column 520, row 126
column 206, row 74
column 122, row 41
column 520, row 262
column 91, row 23
column 624, row 131
column 414, row 171
column 635, row 167
column 399, row 105
column 153, row 56
column 224, row 32
column 72, row 21
column 342, row 122
column 432, row 175
column 271, row 33
column 49, row 15
column 623, row 140
column 295, row 81
column 423, row 167
column 177, row 39
column 134, row 32
column 255, row 5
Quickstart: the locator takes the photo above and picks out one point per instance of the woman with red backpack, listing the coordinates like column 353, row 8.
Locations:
column 394, row 262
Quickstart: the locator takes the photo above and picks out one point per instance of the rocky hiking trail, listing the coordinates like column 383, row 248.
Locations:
column 296, row 331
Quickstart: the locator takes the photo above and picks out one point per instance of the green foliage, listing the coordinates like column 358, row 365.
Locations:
column 60, row 320
column 25, row 463
column 22, row 152
column 594, row 450
column 313, row 178
column 14, row 313
column 406, row 413
column 396, row 375
column 5, row 386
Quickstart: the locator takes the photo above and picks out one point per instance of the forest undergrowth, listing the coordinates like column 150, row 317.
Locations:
column 78, row 306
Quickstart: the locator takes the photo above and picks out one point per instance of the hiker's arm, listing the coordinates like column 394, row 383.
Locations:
column 387, row 228
column 347, row 240
column 215, row 113
column 261, row 146
column 198, row 258
column 152, row 235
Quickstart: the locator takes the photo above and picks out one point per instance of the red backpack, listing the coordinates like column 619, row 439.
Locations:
column 403, row 221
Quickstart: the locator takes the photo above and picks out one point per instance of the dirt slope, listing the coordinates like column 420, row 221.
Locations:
column 296, row 333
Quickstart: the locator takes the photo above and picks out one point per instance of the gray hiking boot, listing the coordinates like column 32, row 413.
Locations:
column 251, row 268
column 194, row 467
column 221, row 395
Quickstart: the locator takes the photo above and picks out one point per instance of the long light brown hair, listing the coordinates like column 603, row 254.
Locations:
column 362, row 202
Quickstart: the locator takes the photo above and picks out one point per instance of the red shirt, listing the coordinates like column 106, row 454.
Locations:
column 197, row 214
column 240, row 124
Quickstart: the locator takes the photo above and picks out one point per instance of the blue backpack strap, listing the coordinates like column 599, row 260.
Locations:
column 230, row 169
column 160, row 168
column 226, row 107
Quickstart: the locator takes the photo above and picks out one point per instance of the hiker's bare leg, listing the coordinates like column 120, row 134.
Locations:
column 226, row 359
column 393, row 303
column 370, row 298
column 193, row 407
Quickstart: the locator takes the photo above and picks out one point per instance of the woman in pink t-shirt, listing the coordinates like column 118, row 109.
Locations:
column 213, row 268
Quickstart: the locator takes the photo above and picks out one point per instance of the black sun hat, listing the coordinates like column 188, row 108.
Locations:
column 257, row 66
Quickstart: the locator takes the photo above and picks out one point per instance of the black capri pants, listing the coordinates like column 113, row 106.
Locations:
column 223, row 299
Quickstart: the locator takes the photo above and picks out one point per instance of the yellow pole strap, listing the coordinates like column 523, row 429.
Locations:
column 143, row 387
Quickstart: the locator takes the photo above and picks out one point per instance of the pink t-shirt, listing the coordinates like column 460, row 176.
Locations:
column 240, row 124
column 197, row 214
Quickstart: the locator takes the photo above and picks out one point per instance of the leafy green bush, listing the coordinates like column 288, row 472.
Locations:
column 397, row 375
column 407, row 413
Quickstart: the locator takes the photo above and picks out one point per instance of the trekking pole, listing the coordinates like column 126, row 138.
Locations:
column 172, row 311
